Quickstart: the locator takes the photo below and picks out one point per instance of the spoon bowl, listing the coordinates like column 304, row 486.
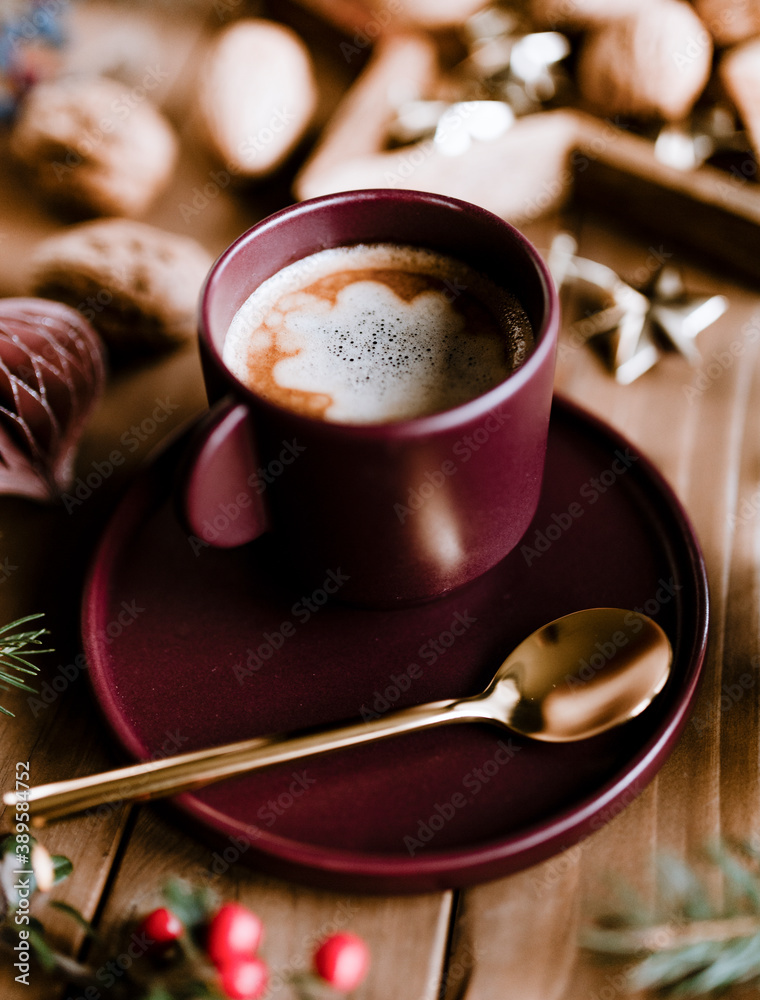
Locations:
column 570, row 680
column 581, row 675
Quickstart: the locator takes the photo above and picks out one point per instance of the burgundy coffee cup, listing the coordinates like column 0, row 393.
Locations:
column 387, row 513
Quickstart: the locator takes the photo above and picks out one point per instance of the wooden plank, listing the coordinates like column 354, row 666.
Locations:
column 404, row 964
column 739, row 708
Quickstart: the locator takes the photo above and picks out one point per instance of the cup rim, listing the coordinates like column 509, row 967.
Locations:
column 431, row 423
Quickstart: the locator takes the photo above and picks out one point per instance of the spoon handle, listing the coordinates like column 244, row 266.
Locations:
column 186, row 771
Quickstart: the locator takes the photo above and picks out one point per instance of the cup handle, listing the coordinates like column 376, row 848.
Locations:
column 217, row 491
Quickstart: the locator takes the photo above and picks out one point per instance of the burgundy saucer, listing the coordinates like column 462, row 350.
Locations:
column 217, row 645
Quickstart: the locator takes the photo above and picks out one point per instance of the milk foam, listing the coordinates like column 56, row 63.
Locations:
column 414, row 333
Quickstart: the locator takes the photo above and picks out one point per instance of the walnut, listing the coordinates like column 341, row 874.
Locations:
column 652, row 65
column 96, row 146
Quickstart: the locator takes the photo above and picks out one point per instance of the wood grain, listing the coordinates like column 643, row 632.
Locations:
column 296, row 918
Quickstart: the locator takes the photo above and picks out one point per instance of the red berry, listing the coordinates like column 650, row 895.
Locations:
column 244, row 978
column 162, row 926
column 234, row 932
column 342, row 961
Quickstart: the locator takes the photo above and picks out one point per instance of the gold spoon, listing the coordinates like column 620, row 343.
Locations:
column 569, row 680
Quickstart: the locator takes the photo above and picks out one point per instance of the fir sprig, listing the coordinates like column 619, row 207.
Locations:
column 16, row 646
column 689, row 947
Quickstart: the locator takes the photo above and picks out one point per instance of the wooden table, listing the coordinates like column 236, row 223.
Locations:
column 514, row 939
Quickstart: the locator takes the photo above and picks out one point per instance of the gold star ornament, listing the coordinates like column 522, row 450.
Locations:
column 631, row 328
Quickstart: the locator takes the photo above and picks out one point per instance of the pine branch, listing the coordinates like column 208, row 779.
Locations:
column 16, row 646
column 667, row 936
column 696, row 949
